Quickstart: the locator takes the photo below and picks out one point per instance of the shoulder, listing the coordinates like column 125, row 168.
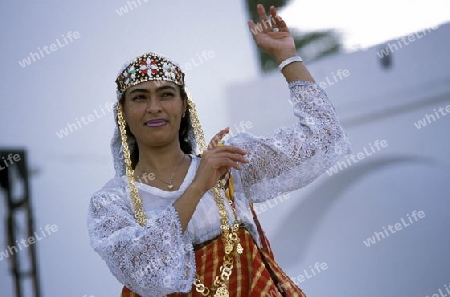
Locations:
column 114, row 189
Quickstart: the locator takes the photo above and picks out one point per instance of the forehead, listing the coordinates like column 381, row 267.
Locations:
column 153, row 85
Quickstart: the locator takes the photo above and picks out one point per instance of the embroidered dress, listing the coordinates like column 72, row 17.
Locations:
column 159, row 259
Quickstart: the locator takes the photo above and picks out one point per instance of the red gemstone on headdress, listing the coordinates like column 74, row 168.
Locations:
column 143, row 67
column 154, row 70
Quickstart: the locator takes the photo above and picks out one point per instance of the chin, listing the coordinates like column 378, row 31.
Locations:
column 155, row 141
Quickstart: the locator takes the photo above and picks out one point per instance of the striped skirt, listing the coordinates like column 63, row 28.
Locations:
column 255, row 272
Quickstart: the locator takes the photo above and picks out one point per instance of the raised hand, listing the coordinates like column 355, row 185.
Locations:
column 272, row 35
column 216, row 161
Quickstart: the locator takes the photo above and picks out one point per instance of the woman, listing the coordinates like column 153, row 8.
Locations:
column 176, row 224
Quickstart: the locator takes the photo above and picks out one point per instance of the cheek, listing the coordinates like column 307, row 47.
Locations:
column 133, row 118
column 174, row 109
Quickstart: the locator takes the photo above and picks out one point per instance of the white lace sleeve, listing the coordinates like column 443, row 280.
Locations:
column 294, row 155
column 153, row 260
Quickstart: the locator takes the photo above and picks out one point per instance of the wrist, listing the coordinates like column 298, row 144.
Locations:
column 283, row 55
column 196, row 189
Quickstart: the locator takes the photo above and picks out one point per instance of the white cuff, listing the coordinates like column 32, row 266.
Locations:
column 289, row 61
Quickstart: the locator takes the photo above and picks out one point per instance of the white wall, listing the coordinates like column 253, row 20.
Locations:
column 328, row 220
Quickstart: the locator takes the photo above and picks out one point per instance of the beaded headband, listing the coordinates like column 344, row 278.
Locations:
column 149, row 67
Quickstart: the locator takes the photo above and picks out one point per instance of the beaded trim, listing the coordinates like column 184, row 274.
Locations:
column 149, row 67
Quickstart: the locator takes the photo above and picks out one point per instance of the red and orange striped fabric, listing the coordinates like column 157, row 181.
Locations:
column 255, row 272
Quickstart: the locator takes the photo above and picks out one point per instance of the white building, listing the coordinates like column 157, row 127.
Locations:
column 328, row 221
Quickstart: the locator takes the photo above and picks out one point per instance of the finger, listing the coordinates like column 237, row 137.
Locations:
column 216, row 157
column 278, row 21
column 273, row 15
column 273, row 11
column 255, row 29
column 229, row 149
column 251, row 25
column 263, row 18
column 226, row 163
column 222, row 133
column 282, row 24
column 212, row 158
column 228, row 155
column 218, row 137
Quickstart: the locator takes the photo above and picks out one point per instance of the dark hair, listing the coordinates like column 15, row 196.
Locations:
column 183, row 133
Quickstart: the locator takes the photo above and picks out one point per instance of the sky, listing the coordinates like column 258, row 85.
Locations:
column 77, row 80
column 367, row 23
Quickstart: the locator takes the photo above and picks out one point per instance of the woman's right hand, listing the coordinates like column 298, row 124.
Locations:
column 216, row 161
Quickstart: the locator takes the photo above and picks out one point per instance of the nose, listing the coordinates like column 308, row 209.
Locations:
column 153, row 105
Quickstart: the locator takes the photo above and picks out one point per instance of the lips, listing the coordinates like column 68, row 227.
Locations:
column 156, row 123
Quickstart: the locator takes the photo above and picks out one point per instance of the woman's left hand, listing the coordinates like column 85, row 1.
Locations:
column 280, row 45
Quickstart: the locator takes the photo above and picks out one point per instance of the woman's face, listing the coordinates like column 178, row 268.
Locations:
column 153, row 111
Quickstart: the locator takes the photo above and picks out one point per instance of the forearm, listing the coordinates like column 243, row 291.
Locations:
column 187, row 203
column 293, row 71
column 303, row 150
column 153, row 260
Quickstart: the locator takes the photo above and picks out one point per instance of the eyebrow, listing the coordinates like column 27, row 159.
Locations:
column 147, row 91
column 138, row 90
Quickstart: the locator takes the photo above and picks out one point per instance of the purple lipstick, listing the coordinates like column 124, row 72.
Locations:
column 156, row 123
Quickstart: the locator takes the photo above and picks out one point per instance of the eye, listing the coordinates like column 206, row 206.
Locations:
column 138, row 97
column 167, row 95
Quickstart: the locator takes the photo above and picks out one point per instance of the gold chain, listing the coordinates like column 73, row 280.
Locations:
column 198, row 132
column 139, row 213
column 231, row 243
column 229, row 237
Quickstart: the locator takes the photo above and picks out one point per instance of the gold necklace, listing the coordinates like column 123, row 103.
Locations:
column 170, row 182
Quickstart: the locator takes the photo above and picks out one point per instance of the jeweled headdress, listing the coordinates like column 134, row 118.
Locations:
column 147, row 67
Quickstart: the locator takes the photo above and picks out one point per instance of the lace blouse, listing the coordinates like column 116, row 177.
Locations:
column 158, row 259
